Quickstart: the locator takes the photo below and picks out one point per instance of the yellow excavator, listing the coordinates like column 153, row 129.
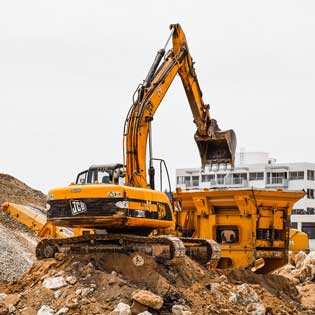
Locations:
column 118, row 201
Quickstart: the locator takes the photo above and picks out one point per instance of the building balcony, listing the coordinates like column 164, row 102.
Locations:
column 277, row 182
column 225, row 182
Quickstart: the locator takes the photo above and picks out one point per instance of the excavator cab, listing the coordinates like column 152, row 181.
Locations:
column 102, row 174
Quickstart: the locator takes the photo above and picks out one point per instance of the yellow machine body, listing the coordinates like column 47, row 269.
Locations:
column 251, row 225
column 111, row 207
column 298, row 241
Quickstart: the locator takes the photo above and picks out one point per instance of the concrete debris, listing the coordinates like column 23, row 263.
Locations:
column 86, row 291
column 122, row 309
column 137, row 308
column 54, row 283
column 255, row 309
column 3, row 309
column 57, row 294
column 2, row 296
column 62, row 311
column 11, row 308
column 309, row 259
column 299, row 259
column 45, row 310
column 104, row 284
column 71, row 280
column 302, row 270
column 301, row 273
column 148, row 298
column 245, row 295
column 177, row 309
column 192, row 289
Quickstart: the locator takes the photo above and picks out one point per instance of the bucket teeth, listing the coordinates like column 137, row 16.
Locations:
column 217, row 147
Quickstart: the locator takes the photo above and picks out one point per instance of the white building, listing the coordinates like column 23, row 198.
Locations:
column 256, row 169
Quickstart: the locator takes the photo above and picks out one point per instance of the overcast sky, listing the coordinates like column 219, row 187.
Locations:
column 68, row 70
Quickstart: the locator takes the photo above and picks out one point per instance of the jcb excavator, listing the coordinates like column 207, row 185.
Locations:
column 117, row 201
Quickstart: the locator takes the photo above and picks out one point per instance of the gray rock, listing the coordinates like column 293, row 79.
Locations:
column 57, row 294
column 63, row 310
column 71, row 280
column 2, row 296
column 256, row 309
column 148, row 298
column 45, row 310
column 54, row 283
column 121, row 309
column 11, row 308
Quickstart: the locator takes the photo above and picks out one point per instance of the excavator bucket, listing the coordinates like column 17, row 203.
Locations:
column 218, row 147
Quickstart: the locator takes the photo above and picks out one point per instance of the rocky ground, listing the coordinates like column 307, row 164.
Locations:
column 17, row 243
column 13, row 190
column 113, row 284
column 301, row 272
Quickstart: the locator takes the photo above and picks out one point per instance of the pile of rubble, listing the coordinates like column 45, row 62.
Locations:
column 17, row 243
column 301, row 272
column 113, row 284
column 13, row 190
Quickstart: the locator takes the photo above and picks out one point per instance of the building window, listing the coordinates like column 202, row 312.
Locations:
column 207, row 178
column 294, row 225
column 187, row 181
column 309, row 228
column 310, row 193
column 239, row 177
column 276, row 177
column 180, row 180
column 220, row 178
column 256, row 176
column 310, row 211
column 195, row 181
column 296, row 175
column 310, row 175
column 298, row 211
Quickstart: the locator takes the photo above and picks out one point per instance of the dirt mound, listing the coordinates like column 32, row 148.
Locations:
column 17, row 243
column 13, row 190
column 276, row 285
column 96, row 284
column 301, row 272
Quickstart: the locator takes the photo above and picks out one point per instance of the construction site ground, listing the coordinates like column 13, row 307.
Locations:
column 113, row 284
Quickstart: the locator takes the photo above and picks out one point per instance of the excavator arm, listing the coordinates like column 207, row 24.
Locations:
column 215, row 146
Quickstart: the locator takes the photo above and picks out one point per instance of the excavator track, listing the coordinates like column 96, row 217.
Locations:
column 207, row 252
column 165, row 248
column 162, row 248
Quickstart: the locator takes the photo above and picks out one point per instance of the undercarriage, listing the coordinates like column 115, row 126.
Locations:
column 165, row 249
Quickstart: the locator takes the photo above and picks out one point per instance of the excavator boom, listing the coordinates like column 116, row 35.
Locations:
column 215, row 146
column 132, row 217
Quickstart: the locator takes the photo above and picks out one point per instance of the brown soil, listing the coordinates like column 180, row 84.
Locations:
column 15, row 191
column 110, row 279
column 100, row 282
column 17, row 243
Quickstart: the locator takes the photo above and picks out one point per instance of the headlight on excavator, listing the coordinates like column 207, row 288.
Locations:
column 47, row 206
